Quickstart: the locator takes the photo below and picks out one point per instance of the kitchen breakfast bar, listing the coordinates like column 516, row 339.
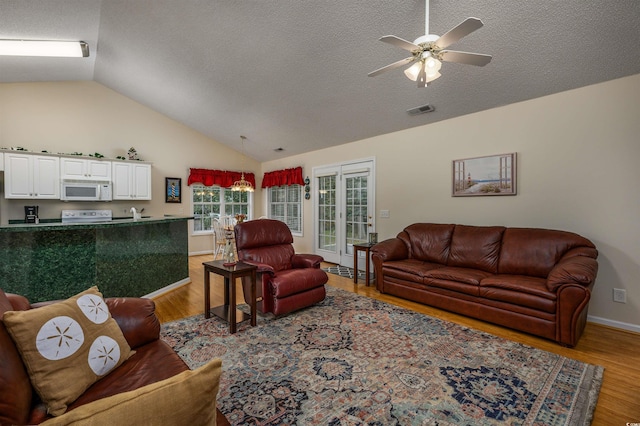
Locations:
column 49, row 261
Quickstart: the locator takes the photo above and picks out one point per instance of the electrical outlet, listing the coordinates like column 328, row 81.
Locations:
column 620, row 295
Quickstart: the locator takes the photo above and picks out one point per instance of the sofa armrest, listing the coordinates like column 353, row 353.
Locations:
column 573, row 270
column 306, row 261
column 136, row 318
column 19, row 303
column 391, row 249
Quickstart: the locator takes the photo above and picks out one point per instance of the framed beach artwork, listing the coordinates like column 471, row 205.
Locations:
column 490, row 175
column 173, row 190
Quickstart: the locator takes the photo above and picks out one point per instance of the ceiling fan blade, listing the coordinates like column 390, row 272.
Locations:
column 394, row 65
column 468, row 26
column 468, row 58
column 400, row 42
column 422, row 76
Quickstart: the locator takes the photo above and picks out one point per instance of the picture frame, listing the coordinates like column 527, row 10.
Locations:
column 490, row 175
column 173, row 190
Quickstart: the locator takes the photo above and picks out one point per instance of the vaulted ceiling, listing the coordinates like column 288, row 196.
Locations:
column 292, row 74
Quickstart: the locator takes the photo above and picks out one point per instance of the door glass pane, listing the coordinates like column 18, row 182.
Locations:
column 326, row 213
column 356, row 211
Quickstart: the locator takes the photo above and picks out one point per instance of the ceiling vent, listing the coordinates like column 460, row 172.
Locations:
column 421, row 109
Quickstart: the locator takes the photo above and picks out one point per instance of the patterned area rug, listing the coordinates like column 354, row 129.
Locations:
column 352, row 360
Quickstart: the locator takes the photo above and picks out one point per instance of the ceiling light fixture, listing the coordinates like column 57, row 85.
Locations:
column 65, row 49
column 242, row 185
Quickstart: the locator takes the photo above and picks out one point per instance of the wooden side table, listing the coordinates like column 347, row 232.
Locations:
column 366, row 247
column 228, row 311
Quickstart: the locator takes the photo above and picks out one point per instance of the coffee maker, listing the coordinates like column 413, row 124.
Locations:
column 31, row 214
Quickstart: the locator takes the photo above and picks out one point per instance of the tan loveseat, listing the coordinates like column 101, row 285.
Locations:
column 534, row 280
column 153, row 366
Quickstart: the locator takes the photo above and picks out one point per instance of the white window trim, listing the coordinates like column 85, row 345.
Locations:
column 222, row 205
column 268, row 209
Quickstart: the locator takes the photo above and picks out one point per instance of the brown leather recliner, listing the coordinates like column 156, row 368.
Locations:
column 286, row 281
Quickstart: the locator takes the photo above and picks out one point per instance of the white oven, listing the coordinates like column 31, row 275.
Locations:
column 85, row 191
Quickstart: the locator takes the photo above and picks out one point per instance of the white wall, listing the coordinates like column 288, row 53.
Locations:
column 578, row 170
column 87, row 117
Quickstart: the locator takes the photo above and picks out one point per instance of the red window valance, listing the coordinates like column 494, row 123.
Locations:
column 221, row 178
column 283, row 177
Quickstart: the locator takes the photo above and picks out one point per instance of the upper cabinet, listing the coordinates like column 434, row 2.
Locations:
column 29, row 176
column 131, row 180
column 85, row 169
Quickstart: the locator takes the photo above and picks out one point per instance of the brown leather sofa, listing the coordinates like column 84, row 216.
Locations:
column 153, row 361
column 534, row 280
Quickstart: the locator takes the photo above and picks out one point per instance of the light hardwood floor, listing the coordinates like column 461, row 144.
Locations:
column 618, row 351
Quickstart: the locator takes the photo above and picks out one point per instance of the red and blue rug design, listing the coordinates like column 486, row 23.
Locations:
column 351, row 360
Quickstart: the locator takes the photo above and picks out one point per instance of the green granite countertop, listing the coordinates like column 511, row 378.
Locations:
column 48, row 225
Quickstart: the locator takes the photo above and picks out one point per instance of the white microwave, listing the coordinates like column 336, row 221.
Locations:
column 85, row 191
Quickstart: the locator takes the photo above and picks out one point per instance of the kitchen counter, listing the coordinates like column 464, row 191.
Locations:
column 49, row 224
column 123, row 257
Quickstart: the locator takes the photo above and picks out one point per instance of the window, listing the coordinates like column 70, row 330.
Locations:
column 215, row 201
column 285, row 204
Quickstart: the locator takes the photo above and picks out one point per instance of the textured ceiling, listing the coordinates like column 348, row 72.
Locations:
column 293, row 74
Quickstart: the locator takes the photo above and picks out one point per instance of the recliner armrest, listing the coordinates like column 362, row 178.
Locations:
column 306, row 261
column 262, row 267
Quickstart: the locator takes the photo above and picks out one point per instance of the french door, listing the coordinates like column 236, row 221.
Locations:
column 344, row 209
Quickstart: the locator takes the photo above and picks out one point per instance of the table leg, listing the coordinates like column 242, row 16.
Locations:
column 226, row 293
column 207, row 300
column 355, row 265
column 366, row 268
column 231, row 286
column 253, row 299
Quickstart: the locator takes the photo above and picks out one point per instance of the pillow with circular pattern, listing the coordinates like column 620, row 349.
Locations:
column 67, row 346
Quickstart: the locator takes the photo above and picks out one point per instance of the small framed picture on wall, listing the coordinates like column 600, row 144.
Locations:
column 173, row 190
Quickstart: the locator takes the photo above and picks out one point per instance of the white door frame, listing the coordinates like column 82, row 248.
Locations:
column 340, row 252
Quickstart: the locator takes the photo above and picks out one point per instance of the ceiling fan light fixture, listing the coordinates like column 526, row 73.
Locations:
column 51, row 48
column 413, row 70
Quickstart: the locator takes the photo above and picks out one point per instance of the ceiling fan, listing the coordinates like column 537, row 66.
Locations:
column 428, row 51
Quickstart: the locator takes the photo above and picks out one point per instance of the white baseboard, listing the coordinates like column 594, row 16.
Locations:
column 165, row 289
column 615, row 324
column 199, row 253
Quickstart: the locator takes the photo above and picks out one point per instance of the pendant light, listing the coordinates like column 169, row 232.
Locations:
column 242, row 185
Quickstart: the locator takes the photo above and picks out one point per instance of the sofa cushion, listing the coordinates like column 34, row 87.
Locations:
column 519, row 290
column 15, row 388
column 476, row 247
column 534, row 252
column 188, row 398
column 428, row 241
column 67, row 346
column 409, row 266
column 463, row 275
column 461, row 280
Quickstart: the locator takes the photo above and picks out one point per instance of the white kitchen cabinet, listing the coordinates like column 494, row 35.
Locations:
column 85, row 169
column 28, row 176
column 131, row 181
